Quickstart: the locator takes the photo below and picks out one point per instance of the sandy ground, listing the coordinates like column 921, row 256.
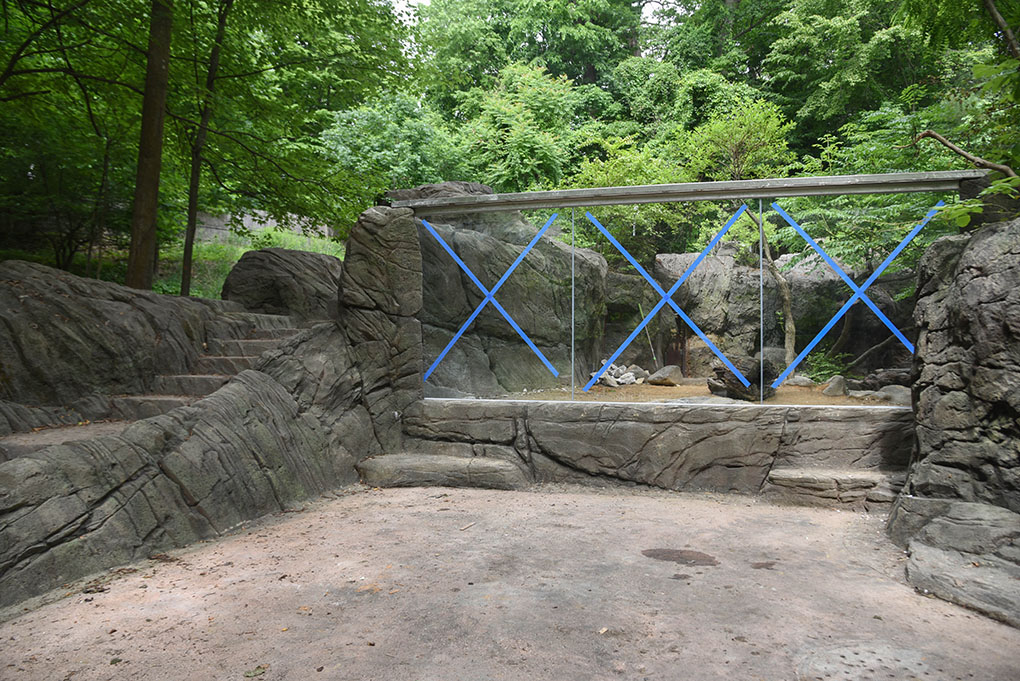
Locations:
column 561, row 583
column 697, row 389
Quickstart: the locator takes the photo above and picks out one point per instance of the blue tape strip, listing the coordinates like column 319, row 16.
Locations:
column 858, row 292
column 489, row 297
column 666, row 298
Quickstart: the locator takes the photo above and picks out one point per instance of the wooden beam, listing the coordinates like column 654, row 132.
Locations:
column 834, row 185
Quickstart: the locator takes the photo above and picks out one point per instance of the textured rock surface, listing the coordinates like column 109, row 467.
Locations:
column 63, row 338
column 286, row 282
column 710, row 448
column 438, row 470
column 967, row 401
column 292, row 428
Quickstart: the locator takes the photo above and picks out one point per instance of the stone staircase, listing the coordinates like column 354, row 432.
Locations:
column 234, row 342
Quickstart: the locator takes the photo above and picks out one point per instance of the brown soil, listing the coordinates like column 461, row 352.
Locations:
column 562, row 584
column 661, row 393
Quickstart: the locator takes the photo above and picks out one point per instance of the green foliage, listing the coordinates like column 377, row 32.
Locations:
column 517, row 134
column 392, row 142
column 821, row 367
column 643, row 230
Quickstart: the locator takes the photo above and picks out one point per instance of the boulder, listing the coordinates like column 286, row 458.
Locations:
column 667, row 375
column 836, row 387
column 285, row 282
column 491, row 359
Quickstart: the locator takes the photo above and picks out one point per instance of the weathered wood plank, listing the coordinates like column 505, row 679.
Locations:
column 833, row 185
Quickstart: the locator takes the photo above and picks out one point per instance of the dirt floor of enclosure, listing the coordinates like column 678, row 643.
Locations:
column 561, row 583
column 662, row 393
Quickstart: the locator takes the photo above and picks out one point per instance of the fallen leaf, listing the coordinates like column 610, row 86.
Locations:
column 603, row 630
column 258, row 671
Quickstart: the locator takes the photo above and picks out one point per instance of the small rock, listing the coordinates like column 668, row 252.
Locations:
column 626, row 379
column 836, row 386
column 898, row 394
column 799, row 381
column 670, row 374
column 638, row 371
column 610, row 381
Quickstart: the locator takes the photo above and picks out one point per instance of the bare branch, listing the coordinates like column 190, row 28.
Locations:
column 976, row 160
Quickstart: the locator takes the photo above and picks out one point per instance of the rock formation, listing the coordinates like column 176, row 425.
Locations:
column 959, row 514
column 292, row 428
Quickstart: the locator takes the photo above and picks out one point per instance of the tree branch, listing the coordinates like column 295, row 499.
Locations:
column 976, row 160
column 20, row 50
column 1011, row 42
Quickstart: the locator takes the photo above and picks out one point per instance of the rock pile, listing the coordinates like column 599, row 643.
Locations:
column 615, row 375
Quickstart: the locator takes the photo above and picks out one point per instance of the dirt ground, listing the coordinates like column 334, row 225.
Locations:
column 562, row 583
column 697, row 388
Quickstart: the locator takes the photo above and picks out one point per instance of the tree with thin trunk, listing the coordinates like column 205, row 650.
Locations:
column 142, row 256
column 205, row 113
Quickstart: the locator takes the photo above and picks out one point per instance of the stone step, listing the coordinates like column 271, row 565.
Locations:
column 136, row 407
column 244, row 348
column 191, row 384
column 281, row 334
column 436, row 470
column 20, row 444
column 223, row 365
column 257, row 320
column 871, row 489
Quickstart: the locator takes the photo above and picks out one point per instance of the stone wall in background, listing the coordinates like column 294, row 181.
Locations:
column 959, row 514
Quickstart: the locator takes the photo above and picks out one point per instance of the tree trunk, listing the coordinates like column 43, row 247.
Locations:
column 199, row 144
column 789, row 324
column 142, row 255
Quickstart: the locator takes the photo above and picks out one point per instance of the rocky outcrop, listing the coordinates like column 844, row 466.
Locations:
column 63, row 338
column 300, row 284
column 293, row 427
column 959, row 514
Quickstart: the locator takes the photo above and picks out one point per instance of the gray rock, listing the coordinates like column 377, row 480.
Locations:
column 626, row 379
column 836, row 386
column 270, row 438
column 490, row 359
column 962, row 498
column 436, row 470
column 285, row 282
column 64, row 338
column 727, row 384
column 609, row 380
column 799, row 382
column 898, row 394
column 638, row 371
column 667, row 375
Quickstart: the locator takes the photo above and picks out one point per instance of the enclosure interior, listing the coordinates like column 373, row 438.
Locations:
column 682, row 302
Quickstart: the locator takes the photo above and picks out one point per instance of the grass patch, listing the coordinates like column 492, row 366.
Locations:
column 213, row 260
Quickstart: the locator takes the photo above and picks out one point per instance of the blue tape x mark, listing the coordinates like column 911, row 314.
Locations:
column 489, row 297
column 667, row 299
column 858, row 290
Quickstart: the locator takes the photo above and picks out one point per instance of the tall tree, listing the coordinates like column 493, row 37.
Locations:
column 142, row 256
